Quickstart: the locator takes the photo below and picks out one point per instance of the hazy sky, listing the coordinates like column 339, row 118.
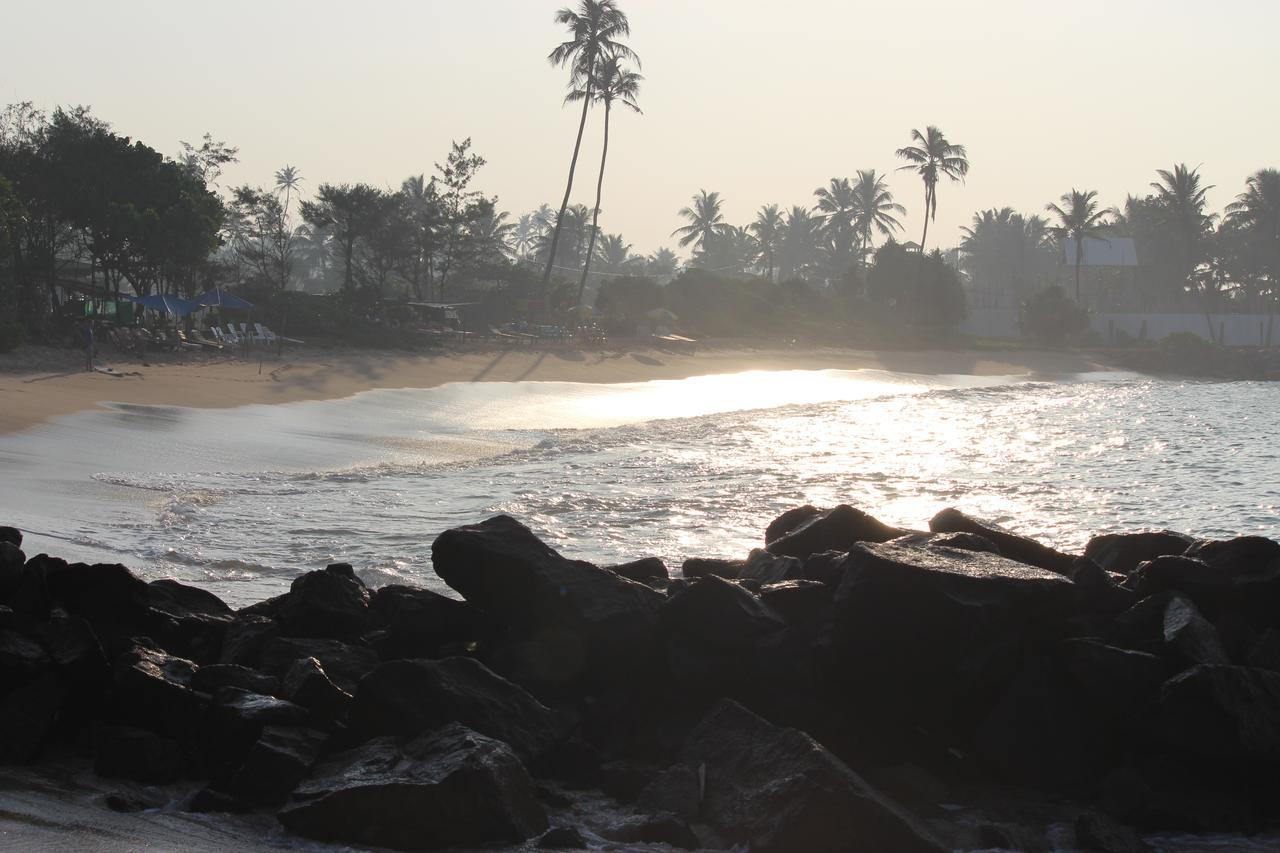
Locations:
column 763, row 101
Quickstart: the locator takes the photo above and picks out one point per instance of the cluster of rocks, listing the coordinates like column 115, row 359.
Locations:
column 989, row 690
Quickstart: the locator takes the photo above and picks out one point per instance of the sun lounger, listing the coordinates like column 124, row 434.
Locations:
column 198, row 337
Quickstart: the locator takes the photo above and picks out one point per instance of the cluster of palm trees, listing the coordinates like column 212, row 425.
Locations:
column 838, row 232
column 1184, row 251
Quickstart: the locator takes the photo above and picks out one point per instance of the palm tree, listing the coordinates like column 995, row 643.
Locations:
column 526, row 230
column 662, row 264
column 767, row 229
column 1256, row 212
column 933, row 157
column 838, row 203
column 612, row 83
column 594, row 33
column 799, row 241
column 615, row 254
column 706, row 222
column 1182, row 201
column 873, row 210
column 1079, row 220
column 288, row 182
column 1004, row 250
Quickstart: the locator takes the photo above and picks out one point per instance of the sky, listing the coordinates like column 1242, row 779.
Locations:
column 761, row 100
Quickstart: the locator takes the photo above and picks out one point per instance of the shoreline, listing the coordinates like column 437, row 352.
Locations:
column 54, row 383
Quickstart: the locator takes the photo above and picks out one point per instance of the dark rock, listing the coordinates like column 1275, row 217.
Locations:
column 1114, row 682
column 153, row 691
column 30, row 596
column 642, row 571
column 276, row 763
column 196, row 636
column 1011, row 545
column 306, row 684
column 1184, row 574
column 599, row 625
column 788, row 521
column 407, row 697
column 245, row 637
column 12, row 535
column 28, row 714
column 137, row 754
column 423, row 623
column 779, row 790
column 965, row 542
column 332, row 603
column 212, row 800
column 1095, row 831
column 344, row 663
column 389, row 793
column 720, row 613
column 1097, row 591
column 1238, row 557
column 129, row 802
column 919, row 628
column 703, row 567
column 268, row 608
column 1265, row 653
column 653, row 829
column 562, row 838
column 624, row 780
column 1221, row 712
column 1123, row 552
column 676, row 790
column 12, row 563
column 765, row 568
column 179, row 599
column 1169, row 624
column 210, row 679
column 826, row 567
column 836, row 529
column 799, row 602
column 22, row 658
column 236, row 721
column 109, row 596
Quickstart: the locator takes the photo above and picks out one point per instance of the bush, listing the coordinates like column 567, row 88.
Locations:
column 12, row 334
column 1051, row 317
column 924, row 291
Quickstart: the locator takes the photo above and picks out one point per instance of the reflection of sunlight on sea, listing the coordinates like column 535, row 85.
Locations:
column 241, row 499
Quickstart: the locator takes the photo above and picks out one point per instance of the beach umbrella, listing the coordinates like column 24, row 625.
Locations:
column 167, row 303
column 219, row 298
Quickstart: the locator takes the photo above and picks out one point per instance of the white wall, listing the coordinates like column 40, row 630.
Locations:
column 1235, row 329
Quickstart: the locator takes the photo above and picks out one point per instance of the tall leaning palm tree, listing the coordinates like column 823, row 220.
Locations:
column 1079, row 218
column 595, row 29
column 706, row 222
column 613, row 83
column 933, row 157
column 873, row 209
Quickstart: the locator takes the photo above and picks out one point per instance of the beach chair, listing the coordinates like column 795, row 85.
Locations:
column 265, row 335
column 198, row 338
column 232, row 336
column 185, row 342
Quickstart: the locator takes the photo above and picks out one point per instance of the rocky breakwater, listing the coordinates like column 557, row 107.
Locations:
column 849, row 686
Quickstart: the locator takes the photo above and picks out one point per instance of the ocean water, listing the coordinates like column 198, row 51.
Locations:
column 242, row 500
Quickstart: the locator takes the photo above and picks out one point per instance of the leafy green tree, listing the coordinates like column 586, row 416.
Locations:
column 1181, row 197
column 346, row 212
column 838, row 206
column 596, row 29
column 1255, row 217
column 615, row 254
column 1079, row 218
column 933, row 157
column 1007, row 253
column 424, row 216
column 799, row 246
column 612, row 83
column 458, row 206
column 661, row 264
column 706, row 222
column 921, row 290
column 1051, row 317
column 263, row 239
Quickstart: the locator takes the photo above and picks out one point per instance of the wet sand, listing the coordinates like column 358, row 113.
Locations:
column 31, row 393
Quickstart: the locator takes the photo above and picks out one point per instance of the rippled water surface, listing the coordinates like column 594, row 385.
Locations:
column 242, row 499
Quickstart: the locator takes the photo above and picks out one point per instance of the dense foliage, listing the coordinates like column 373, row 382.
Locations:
column 1052, row 317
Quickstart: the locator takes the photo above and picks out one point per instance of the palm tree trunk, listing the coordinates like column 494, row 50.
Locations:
column 927, row 195
column 1079, row 261
column 595, row 216
column 568, row 189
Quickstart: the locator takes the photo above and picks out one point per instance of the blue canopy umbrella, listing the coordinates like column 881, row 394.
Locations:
column 219, row 298
column 168, row 303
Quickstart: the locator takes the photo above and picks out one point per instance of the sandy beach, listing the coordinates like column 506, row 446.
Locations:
column 31, row 393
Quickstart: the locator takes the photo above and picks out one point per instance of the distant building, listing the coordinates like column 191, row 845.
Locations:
column 1102, row 252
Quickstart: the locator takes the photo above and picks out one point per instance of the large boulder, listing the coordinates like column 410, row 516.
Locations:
column 344, row 663
column 138, row 754
column 331, row 603
column 12, row 562
column 153, row 691
column 644, row 570
column 1227, row 713
column 1012, row 545
column 12, row 535
column 180, row 599
column 1169, row 624
column 245, row 637
column 763, row 567
column 450, row 788
column 307, row 684
column 114, row 600
column 835, row 529
column 777, row 789
column 919, row 629
column 579, row 619
column 1123, row 552
column 28, row 715
column 408, row 697
column 275, row 764
column 423, row 623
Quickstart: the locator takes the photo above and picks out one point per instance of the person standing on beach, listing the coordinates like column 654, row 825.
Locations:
column 88, row 345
